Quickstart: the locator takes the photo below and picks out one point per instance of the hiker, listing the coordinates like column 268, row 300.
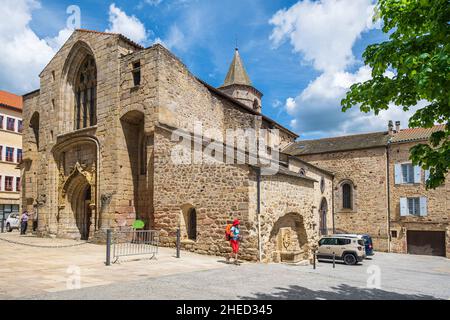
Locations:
column 24, row 222
column 234, row 237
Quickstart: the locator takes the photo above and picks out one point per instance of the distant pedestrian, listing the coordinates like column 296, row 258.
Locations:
column 24, row 222
column 235, row 238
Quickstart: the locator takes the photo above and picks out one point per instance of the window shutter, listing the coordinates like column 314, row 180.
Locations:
column 404, row 207
column 423, row 206
column 427, row 175
column 398, row 173
column 417, row 174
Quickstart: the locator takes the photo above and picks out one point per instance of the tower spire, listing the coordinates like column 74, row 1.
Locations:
column 237, row 73
column 238, row 85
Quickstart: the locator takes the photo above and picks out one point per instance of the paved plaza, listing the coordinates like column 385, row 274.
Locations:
column 38, row 273
column 27, row 270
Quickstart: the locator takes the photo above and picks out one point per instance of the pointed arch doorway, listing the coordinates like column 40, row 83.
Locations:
column 79, row 201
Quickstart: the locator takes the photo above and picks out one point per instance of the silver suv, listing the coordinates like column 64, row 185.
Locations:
column 347, row 249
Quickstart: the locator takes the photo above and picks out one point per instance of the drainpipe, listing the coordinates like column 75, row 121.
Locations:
column 258, row 210
column 332, row 204
column 388, row 197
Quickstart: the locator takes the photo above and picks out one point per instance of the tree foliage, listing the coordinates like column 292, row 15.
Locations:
column 412, row 66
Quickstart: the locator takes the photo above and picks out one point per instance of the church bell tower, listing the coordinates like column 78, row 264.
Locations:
column 238, row 85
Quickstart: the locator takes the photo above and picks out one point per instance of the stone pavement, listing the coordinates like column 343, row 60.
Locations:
column 402, row 277
column 26, row 270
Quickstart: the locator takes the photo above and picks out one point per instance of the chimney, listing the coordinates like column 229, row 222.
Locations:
column 397, row 126
column 391, row 127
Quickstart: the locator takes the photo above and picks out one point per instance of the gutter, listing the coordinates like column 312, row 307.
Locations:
column 388, row 187
column 258, row 211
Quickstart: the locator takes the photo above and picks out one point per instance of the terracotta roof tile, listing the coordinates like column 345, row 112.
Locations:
column 11, row 99
column 415, row 134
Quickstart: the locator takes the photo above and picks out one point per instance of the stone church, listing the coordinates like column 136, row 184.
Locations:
column 98, row 154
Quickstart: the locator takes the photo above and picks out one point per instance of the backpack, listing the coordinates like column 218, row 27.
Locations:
column 228, row 232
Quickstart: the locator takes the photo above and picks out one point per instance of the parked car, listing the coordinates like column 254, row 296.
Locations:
column 350, row 250
column 367, row 242
column 12, row 222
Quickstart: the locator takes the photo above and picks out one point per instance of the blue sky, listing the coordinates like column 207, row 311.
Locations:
column 303, row 55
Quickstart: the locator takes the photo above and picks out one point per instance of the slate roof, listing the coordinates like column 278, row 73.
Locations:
column 344, row 143
column 237, row 73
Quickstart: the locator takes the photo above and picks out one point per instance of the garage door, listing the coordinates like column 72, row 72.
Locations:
column 430, row 243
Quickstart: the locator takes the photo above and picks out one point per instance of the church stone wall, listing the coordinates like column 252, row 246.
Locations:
column 218, row 192
column 366, row 170
column 319, row 194
column 284, row 196
column 56, row 121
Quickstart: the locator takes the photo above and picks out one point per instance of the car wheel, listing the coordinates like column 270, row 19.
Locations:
column 8, row 227
column 350, row 259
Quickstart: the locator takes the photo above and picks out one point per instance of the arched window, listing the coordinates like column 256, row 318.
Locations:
column 34, row 124
column 85, row 94
column 255, row 104
column 302, row 172
column 192, row 224
column 322, row 185
column 347, row 196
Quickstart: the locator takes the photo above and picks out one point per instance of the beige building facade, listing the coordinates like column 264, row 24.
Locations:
column 118, row 132
column 10, row 152
column 377, row 190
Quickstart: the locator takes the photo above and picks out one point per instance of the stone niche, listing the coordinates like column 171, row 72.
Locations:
column 289, row 240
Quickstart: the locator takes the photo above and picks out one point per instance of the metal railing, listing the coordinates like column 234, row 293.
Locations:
column 131, row 243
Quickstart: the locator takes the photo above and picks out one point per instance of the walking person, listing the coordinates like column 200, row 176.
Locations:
column 24, row 222
column 235, row 238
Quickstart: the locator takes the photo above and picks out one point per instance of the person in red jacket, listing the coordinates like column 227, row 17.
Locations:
column 235, row 238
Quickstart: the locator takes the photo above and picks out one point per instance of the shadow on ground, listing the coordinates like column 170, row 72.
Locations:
column 340, row 292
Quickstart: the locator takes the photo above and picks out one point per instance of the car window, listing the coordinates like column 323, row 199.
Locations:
column 342, row 242
column 361, row 242
column 328, row 241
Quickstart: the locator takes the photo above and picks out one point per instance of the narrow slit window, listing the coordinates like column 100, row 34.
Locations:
column 136, row 73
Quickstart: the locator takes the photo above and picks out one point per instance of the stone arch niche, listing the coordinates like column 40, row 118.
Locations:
column 79, row 89
column 77, row 159
column 288, row 240
column 30, row 162
column 188, row 222
column 136, row 166
column 323, row 212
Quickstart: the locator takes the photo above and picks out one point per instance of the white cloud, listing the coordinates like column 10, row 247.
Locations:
column 324, row 33
column 130, row 26
column 58, row 41
column 23, row 53
column 153, row 2
column 175, row 39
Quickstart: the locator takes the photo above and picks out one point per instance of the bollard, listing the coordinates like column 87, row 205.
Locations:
column 108, row 246
column 178, row 242
column 334, row 260
column 314, row 260
column 3, row 223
